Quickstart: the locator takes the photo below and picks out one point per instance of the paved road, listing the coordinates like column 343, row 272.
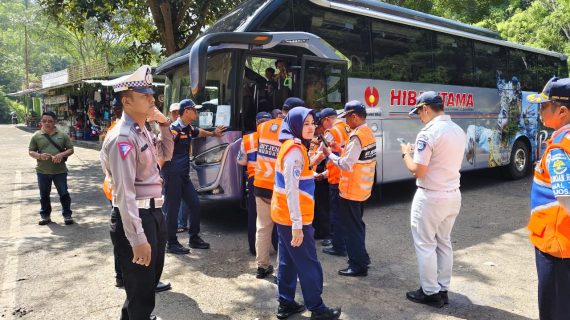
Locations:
column 65, row 272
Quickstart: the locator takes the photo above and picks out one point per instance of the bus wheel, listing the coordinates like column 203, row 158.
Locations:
column 520, row 161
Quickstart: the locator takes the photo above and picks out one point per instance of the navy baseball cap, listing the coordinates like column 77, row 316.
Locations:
column 556, row 89
column 263, row 116
column 293, row 102
column 326, row 112
column 188, row 103
column 352, row 106
column 427, row 98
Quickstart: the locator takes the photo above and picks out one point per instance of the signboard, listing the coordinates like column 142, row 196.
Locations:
column 55, row 78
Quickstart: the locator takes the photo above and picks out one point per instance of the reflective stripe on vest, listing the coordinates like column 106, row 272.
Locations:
column 250, row 145
column 267, row 151
column 340, row 132
column 357, row 183
column 549, row 223
column 279, row 206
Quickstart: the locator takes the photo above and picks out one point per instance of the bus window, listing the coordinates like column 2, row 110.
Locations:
column 490, row 60
column 324, row 84
column 349, row 34
column 453, row 57
column 548, row 67
column 521, row 66
column 402, row 53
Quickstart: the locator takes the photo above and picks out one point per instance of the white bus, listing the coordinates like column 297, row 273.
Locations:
column 380, row 54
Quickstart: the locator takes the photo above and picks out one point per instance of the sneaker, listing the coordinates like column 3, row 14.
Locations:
column 418, row 296
column 326, row 243
column 444, row 297
column 177, row 248
column 68, row 220
column 43, row 221
column 329, row 314
column 262, row 273
column 197, row 243
column 285, row 310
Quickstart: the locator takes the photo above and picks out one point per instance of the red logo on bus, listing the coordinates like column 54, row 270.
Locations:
column 371, row 96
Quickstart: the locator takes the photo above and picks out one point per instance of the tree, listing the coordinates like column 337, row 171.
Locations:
column 172, row 23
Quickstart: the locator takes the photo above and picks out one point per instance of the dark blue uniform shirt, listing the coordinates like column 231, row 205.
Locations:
column 183, row 135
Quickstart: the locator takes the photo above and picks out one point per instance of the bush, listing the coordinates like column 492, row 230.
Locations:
column 8, row 105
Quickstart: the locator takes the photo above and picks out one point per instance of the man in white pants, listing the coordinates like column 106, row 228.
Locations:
column 435, row 162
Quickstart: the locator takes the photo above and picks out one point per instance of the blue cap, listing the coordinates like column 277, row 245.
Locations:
column 263, row 116
column 276, row 113
column 429, row 98
column 326, row 112
column 352, row 106
column 556, row 89
column 293, row 102
column 187, row 103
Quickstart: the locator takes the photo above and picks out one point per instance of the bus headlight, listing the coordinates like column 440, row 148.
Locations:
column 211, row 156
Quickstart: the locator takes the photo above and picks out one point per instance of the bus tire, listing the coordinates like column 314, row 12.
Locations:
column 519, row 164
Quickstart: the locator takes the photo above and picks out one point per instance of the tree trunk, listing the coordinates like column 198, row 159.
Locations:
column 170, row 42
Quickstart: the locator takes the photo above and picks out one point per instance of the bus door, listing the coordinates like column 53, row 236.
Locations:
column 324, row 82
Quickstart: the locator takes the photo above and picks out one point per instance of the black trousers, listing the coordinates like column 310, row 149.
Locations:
column 140, row 281
column 553, row 286
column 354, row 230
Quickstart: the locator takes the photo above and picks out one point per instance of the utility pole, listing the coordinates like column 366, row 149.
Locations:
column 26, row 53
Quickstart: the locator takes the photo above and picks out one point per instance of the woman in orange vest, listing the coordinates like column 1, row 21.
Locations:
column 292, row 210
column 550, row 203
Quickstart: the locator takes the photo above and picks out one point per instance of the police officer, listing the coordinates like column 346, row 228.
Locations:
column 337, row 132
column 263, row 182
column 357, row 165
column 435, row 163
column 129, row 157
column 550, row 203
column 177, row 184
column 247, row 156
column 292, row 210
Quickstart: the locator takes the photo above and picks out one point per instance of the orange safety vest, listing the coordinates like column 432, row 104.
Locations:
column 267, row 152
column 549, row 223
column 279, row 207
column 356, row 184
column 250, row 144
column 340, row 132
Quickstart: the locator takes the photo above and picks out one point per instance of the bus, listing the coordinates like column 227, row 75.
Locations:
column 331, row 52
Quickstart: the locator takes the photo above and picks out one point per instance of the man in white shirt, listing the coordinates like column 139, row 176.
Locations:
column 435, row 163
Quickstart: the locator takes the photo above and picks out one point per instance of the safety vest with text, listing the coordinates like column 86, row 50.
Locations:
column 340, row 132
column 279, row 206
column 267, row 151
column 250, row 146
column 356, row 184
column 549, row 223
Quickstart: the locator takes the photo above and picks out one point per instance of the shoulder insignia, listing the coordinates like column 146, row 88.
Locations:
column 274, row 127
column 124, row 148
column 297, row 173
column 124, row 130
column 420, row 145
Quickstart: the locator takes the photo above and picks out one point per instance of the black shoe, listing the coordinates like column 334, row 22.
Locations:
column 419, row 296
column 326, row 243
column 177, row 248
column 349, row 272
column 333, row 252
column 197, row 243
column 119, row 283
column 68, row 220
column 161, row 286
column 153, row 317
column 262, row 273
column 285, row 310
column 43, row 221
column 330, row 314
column 444, row 297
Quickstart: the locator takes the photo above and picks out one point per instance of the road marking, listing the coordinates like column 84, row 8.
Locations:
column 10, row 271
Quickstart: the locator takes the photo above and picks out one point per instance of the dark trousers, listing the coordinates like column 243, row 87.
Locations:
column 351, row 213
column 60, row 181
column 321, row 223
column 337, row 236
column 189, row 218
column 553, row 286
column 140, row 281
column 177, row 188
column 299, row 262
column 115, row 216
column 252, row 218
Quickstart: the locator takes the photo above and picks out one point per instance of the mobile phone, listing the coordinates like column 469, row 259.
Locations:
column 325, row 142
column 402, row 140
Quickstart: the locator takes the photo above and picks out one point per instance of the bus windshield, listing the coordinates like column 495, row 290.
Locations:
column 216, row 98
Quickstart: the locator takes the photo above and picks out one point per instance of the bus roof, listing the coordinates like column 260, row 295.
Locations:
column 370, row 8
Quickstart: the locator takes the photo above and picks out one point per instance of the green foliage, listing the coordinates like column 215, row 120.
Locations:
column 7, row 106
